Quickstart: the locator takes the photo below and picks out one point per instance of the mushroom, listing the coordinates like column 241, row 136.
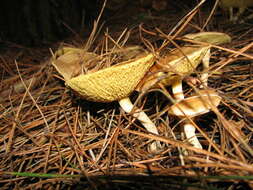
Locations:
column 240, row 4
column 114, row 83
column 213, row 38
column 178, row 63
column 191, row 107
column 171, row 69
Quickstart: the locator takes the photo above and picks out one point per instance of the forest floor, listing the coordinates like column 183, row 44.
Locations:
column 51, row 138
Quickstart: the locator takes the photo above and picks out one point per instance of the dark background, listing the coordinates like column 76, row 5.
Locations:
column 33, row 22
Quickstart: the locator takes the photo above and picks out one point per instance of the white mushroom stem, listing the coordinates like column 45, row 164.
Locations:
column 128, row 107
column 177, row 90
column 194, row 106
column 189, row 131
column 233, row 18
column 205, row 62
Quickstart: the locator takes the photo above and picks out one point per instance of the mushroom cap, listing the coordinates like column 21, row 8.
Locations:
column 113, row 83
column 196, row 105
column 173, row 66
column 214, row 38
column 181, row 62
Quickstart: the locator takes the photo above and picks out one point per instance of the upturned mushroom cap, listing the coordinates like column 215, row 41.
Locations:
column 181, row 62
column 214, row 38
column 113, row 83
column 195, row 105
column 173, row 67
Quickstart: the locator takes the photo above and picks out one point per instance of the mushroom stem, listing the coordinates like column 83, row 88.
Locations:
column 128, row 107
column 191, row 107
column 177, row 90
column 205, row 62
column 189, row 131
column 178, row 93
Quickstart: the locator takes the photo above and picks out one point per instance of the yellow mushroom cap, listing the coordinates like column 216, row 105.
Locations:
column 113, row 83
column 214, row 38
column 177, row 65
column 195, row 105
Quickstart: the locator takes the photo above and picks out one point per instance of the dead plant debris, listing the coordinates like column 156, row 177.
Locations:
column 52, row 139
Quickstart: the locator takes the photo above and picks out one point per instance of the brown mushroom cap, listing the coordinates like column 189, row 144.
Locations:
column 113, row 83
column 214, row 38
column 195, row 105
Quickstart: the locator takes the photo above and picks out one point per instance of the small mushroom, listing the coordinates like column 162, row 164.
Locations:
column 115, row 83
column 241, row 5
column 194, row 106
